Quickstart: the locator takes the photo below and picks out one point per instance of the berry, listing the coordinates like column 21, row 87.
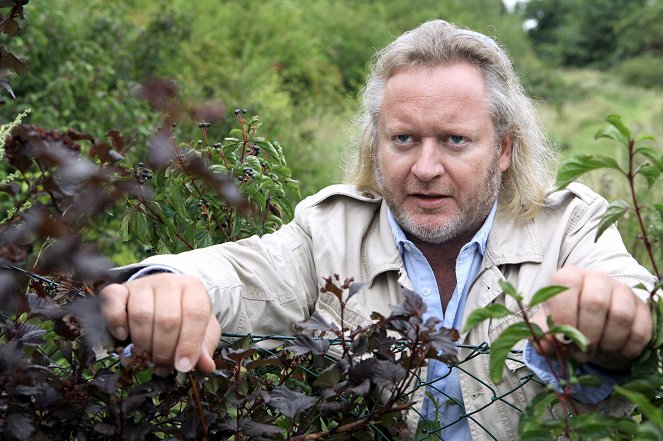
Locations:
column 263, row 164
column 141, row 165
column 217, row 145
column 237, row 111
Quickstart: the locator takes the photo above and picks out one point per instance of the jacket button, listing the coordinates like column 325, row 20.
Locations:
column 368, row 195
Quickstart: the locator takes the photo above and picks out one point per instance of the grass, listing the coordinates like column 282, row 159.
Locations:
column 572, row 126
column 592, row 96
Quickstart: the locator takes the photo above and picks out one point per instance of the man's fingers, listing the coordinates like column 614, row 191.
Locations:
column 212, row 338
column 196, row 315
column 168, row 311
column 114, row 309
column 595, row 300
column 641, row 331
column 619, row 321
column 563, row 308
column 141, row 313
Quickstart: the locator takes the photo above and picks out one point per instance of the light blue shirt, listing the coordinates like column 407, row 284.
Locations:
column 443, row 382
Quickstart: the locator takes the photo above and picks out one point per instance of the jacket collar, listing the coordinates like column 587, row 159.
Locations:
column 379, row 250
column 512, row 241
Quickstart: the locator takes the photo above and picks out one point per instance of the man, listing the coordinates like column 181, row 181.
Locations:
column 450, row 193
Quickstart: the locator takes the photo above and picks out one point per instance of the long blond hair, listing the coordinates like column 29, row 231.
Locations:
column 436, row 42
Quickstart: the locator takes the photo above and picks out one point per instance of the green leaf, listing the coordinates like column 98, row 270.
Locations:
column 142, row 232
column 650, row 172
column 578, row 165
column 653, row 413
column 587, row 380
column 533, row 426
column 510, row 290
column 658, row 320
column 478, row 315
column 203, row 238
column 269, row 148
column 546, row 293
column 644, row 137
column 652, row 154
column 615, row 211
column 616, row 130
column 501, row 347
column 569, row 331
column 124, row 226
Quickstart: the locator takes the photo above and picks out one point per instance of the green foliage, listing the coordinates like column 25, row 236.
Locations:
column 182, row 210
column 644, row 71
column 578, row 32
column 644, row 386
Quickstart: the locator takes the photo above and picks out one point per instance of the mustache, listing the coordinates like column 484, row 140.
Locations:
column 418, row 187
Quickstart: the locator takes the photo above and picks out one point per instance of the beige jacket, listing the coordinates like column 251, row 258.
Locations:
column 266, row 285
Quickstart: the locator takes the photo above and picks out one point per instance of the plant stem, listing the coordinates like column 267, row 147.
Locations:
column 199, row 405
column 637, row 208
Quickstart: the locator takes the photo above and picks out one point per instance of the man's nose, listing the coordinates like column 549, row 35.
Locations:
column 428, row 163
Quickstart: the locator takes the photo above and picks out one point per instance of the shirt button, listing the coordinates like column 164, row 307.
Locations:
column 407, row 247
column 425, row 292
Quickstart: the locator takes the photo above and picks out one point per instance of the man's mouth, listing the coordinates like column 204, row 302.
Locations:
column 429, row 201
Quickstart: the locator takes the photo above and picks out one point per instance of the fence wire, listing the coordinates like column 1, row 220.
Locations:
column 432, row 430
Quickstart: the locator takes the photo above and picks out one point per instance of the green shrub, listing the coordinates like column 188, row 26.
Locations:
column 643, row 71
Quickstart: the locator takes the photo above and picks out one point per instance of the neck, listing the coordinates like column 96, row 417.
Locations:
column 442, row 260
column 445, row 251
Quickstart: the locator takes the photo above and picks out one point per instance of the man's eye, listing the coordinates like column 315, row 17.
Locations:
column 402, row 139
column 456, row 139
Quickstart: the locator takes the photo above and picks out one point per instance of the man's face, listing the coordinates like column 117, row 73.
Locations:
column 439, row 164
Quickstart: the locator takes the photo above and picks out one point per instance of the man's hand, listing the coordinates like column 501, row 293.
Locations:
column 168, row 315
column 617, row 323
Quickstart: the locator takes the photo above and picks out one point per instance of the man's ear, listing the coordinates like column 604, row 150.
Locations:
column 505, row 153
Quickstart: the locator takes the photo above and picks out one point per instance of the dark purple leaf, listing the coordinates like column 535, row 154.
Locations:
column 9, row 60
column 444, row 342
column 5, row 85
column 412, row 305
column 31, row 335
column 209, row 112
column 289, row 402
column 105, row 429
column 255, row 429
column 20, row 426
column 303, row 344
column 41, row 306
column 106, row 383
column 11, row 356
column 162, row 149
column 354, row 289
column 160, row 93
column 329, row 378
column 388, row 374
column 362, row 389
column 317, row 323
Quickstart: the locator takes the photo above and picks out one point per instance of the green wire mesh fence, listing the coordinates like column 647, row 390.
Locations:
column 432, row 430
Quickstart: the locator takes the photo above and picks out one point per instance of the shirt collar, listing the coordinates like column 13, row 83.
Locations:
column 480, row 237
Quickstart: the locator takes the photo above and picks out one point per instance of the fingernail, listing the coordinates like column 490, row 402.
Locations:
column 183, row 364
column 121, row 333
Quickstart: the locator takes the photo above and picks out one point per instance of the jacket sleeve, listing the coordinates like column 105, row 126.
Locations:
column 261, row 285
column 607, row 253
